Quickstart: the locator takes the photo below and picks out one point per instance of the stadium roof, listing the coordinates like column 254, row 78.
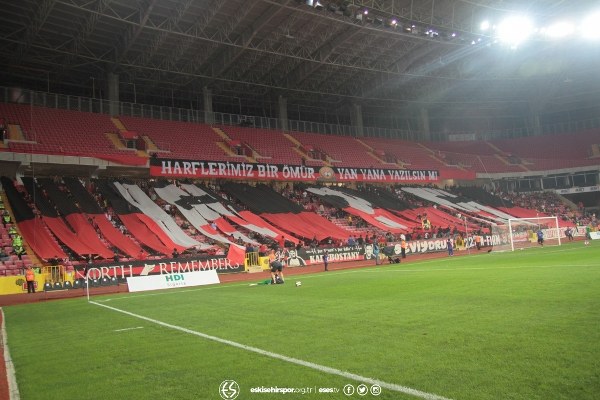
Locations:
column 402, row 52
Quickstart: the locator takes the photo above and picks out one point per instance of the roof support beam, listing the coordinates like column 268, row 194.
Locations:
column 36, row 22
column 133, row 31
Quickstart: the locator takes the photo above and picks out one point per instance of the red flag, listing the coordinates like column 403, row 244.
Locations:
column 236, row 254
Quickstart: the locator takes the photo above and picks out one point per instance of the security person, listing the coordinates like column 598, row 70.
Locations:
column 30, row 278
column 5, row 218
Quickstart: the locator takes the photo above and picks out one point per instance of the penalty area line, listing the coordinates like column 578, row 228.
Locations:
column 128, row 329
column 321, row 368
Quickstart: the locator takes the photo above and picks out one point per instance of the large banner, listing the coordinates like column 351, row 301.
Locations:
column 278, row 172
column 586, row 189
column 123, row 270
column 303, row 257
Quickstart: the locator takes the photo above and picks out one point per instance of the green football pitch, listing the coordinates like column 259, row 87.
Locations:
column 520, row 325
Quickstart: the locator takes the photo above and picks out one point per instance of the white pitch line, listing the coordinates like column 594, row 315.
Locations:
column 318, row 367
column 128, row 329
column 162, row 293
column 13, row 388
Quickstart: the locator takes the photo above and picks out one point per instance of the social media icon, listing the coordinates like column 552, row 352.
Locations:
column 348, row 390
column 375, row 390
column 362, row 389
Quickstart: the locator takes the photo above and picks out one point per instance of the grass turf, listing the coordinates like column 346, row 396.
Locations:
column 522, row 325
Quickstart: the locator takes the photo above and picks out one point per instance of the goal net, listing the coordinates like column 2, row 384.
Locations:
column 522, row 233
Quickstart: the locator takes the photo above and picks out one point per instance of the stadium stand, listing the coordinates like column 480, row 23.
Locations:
column 62, row 132
column 65, row 132
column 272, row 146
column 340, row 151
column 180, row 140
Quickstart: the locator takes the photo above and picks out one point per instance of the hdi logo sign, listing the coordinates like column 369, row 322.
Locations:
column 175, row 280
column 174, row 277
column 170, row 281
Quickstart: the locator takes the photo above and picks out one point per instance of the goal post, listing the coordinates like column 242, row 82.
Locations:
column 522, row 233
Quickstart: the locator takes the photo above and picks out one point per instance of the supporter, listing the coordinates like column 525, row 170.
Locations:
column 360, row 241
column 175, row 253
column 351, row 241
column 54, row 261
column 262, row 250
column 389, row 237
column 450, row 246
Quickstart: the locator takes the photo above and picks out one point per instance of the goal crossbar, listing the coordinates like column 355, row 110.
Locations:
column 523, row 232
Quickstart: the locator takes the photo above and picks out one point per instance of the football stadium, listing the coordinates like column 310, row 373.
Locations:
column 300, row 199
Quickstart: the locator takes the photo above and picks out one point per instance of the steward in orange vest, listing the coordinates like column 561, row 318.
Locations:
column 30, row 278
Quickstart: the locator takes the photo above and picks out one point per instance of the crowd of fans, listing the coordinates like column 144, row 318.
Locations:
column 360, row 233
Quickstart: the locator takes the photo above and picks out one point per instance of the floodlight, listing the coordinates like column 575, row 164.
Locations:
column 485, row 25
column 559, row 30
column 314, row 3
column 515, row 30
column 590, row 27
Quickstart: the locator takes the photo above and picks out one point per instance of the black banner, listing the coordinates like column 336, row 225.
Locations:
column 284, row 172
column 308, row 256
